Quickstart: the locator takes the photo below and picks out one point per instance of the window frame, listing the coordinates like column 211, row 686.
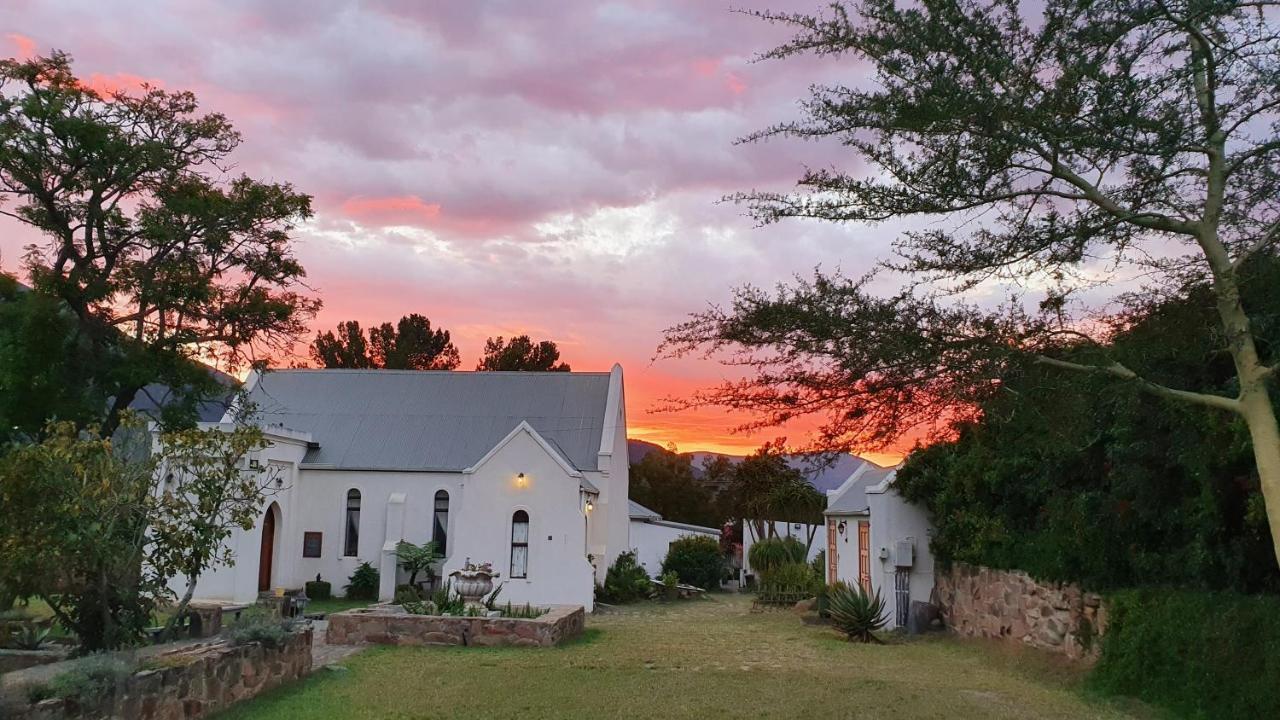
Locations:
column 515, row 521
column 440, row 529
column 351, row 531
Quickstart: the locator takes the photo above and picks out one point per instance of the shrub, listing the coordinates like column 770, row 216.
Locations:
column 363, row 584
column 696, row 559
column 90, row 678
column 30, row 636
column 318, row 589
column 1200, row 654
column 406, row 594
column 819, row 565
column 855, row 612
column 419, row 607
column 625, row 581
column 447, row 601
column 791, row 577
column 258, row 625
column 772, row 552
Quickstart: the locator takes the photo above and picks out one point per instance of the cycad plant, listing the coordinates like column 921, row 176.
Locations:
column 855, row 612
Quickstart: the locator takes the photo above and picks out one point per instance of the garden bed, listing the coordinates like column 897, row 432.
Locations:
column 393, row 625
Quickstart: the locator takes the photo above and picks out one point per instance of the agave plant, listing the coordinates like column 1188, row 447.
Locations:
column 855, row 612
column 30, row 636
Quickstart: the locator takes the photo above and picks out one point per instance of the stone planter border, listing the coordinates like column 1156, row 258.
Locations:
column 391, row 625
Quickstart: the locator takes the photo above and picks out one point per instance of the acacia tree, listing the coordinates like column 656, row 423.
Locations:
column 158, row 258
column 1077, row 148
column 521, row 353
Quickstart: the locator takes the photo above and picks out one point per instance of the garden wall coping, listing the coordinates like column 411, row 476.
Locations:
column 392, row 625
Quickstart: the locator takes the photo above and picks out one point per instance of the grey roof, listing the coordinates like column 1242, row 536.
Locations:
column 442, row 421
column 854, row 499
column 640, row 512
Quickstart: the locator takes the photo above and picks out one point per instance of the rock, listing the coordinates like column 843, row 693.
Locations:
column 805, row 606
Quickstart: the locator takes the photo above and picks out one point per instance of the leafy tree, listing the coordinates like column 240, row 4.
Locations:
column 347, row 348
column 1073, row 149
column 766, row 489
column 521, row 354
column 413, row 345
column 46, row 370
column 74, row 532
column 410, row 344
column 664, row 481
column 208, row 492
column 156, row 259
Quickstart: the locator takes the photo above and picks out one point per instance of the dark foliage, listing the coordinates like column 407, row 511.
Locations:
column 1076, row 479
column 625, row 581
column 363, row 584
column 664, row 482
column 1203, row 655
column 769, row 553
column 410, row 344
column 521, row 353
column 318, row 589
column 697, row 560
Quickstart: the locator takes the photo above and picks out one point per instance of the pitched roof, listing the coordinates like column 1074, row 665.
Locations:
column 431, row 421
column 640, row 512
column 851, row 498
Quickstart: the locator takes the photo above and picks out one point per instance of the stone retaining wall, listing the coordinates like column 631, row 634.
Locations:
column 1008, row 604
column 12, row 660
column 191, row 681
column 391, row 625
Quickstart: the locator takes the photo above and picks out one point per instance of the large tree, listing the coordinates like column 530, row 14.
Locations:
column 664, row 481
column 158, row 256
column 521, row 353
column 410, row 344
column 1084, row 146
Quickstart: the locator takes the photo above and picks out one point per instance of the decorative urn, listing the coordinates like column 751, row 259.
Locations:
column 473, row 581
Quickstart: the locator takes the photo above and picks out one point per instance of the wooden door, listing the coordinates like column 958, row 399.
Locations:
column 864, row 554
column 831, row 551
column 268, row 550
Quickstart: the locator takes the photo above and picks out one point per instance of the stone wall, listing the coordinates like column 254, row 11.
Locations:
column 191, row 681
column 11, row 660
column 391, row 625
column 1007, row 604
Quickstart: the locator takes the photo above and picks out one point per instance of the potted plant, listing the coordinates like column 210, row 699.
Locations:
column 671, row 585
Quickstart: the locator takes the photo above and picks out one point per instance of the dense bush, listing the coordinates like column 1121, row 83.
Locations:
column 696, row 559
column 855, row 612
column 625, row 580
column 318, row 590
column 363, row 584
column 262, row 626
column 791, row 577
column 90, row 678
column 1201, row 654
column 772, row 552
column 1076, row 478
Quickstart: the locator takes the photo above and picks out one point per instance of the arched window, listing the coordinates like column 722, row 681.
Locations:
column 351, row 544
column 520, row 544
column 440, row 523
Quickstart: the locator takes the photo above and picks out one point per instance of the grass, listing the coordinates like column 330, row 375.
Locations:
column 695, row 659
column 337, row 604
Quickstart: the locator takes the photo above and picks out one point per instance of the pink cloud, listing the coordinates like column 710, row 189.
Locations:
column 404, row 209
column 26, row 47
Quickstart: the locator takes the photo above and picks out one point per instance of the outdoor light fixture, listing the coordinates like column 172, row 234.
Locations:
column 521, row 480
column 590, row 505
column 841, row 527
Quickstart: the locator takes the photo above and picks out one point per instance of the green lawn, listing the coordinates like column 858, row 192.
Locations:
column 696, row 659
column 333, row 605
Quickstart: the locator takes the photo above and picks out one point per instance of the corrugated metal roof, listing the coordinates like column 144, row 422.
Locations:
column 640, row 512
column 444, row 421
column 854, row 498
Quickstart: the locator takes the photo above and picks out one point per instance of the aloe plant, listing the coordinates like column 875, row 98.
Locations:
column 30, row 636
column 855, row 612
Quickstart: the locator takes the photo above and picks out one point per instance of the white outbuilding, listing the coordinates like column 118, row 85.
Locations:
column 879, row 540
column 525, row 470
column 651, row 536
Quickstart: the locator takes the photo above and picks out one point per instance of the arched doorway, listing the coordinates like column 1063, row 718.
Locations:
column 270, row 521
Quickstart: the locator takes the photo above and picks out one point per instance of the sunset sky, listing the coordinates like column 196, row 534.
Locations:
column 501, row 167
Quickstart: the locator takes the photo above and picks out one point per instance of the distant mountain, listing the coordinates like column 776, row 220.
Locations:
column 825, row 477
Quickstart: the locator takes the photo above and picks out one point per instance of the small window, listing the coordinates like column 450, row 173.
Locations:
column 440, row 523
column 311, row 544
column 351, row 546
column 520, row 544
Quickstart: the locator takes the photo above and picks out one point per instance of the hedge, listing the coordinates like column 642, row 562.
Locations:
column 697, row 560
column 1199, row 654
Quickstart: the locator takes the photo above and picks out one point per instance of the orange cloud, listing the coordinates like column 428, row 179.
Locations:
column 390, row 209
column 26, row 47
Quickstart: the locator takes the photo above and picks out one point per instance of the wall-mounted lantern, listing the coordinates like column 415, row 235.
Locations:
column 521, row 480
column 590, row 505
column 842, row 527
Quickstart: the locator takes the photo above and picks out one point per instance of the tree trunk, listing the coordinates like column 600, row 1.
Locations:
column 181, row 608
column 1260, row 417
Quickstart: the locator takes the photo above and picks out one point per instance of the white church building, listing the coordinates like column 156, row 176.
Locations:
column 524, row 470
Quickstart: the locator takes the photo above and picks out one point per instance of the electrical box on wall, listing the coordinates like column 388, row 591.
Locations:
column 904, row 552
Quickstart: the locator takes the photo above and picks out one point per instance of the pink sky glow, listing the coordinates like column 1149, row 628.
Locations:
column 501, row 167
